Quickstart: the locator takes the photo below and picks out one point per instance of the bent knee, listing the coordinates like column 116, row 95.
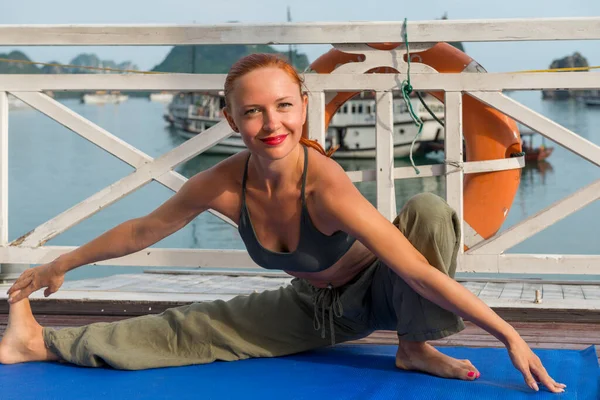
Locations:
column 427, row 207
column 428, row 213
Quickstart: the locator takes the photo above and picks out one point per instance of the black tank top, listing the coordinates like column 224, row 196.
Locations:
column 315, row 252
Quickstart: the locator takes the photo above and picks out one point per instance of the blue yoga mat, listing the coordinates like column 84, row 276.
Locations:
column 342, row 372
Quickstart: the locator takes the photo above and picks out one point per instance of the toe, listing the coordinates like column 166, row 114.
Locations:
column 474, row 369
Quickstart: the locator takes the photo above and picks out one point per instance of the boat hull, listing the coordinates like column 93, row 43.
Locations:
column 103, row 99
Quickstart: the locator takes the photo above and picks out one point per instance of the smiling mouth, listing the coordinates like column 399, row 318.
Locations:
column 274, row 140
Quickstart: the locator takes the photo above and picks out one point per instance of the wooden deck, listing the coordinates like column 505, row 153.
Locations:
column 567, row 318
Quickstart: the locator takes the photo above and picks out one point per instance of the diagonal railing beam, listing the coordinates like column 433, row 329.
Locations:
column 540, row 221
column 140, row 177
column 544, row 126
column 101, row 138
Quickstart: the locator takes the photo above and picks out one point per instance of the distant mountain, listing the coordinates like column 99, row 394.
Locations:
column 54, row 69
column 92, row 60
column 17, row 68
column 217, row 59
column 572, row 61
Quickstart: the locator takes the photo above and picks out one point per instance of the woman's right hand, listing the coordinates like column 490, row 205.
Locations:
column 48, row 276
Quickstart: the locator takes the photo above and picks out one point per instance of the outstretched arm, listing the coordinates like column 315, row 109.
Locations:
column 344, row 208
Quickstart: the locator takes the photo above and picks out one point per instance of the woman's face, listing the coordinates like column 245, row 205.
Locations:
column 268, row 110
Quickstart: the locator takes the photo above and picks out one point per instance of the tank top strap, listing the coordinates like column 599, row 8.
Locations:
column 304, row 173
column 244, row 179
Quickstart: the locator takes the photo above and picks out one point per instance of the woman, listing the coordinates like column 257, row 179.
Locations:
column 297, row 211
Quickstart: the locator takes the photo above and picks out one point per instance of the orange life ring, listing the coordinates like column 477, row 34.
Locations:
column 488, row 134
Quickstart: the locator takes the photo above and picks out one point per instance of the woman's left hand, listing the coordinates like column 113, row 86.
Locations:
column 531, row 367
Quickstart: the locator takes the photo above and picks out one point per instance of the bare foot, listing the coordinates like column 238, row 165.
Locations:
column 421, row 356
column 23, row 340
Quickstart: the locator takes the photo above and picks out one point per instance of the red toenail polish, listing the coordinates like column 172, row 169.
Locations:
column 478, row 375
column 471, row 374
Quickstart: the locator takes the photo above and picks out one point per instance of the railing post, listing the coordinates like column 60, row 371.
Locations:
column 316, row 117
column 7, row 271
column 453, row 150
column 384, row 142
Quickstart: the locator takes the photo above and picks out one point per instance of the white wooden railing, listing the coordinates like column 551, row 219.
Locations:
column 486, row 256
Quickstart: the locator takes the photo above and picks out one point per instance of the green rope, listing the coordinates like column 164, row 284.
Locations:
column 429, row 110
column 407, row 89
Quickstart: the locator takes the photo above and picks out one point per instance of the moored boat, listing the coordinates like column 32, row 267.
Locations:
column 352, row 127
column 102, row 97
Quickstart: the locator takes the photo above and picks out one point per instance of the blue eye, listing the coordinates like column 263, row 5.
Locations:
column 285, row 104
column 251, row 111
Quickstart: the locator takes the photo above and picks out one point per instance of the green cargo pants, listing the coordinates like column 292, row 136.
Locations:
column 289, row 320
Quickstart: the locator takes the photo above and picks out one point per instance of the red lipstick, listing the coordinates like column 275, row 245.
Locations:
column 273, row 140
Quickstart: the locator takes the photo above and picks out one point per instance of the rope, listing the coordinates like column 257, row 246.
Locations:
column 429, row 110
column 406, row 89
column 558, row 69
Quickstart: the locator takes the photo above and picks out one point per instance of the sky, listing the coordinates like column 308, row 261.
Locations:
column 495, row 57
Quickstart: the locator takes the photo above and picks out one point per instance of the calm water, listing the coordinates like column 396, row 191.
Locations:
column 52, row 169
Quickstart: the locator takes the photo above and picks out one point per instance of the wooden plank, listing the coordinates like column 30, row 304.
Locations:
column 384, row 160
column 543, row 125
column 533, row 281
column 477, row 30
column 453, row 150
column 512, row 291
column 552, row 292
column 3, row 169
column 492, row 291
column 236, row 272
column 150, row 257
column 102, row 138
column 513, row 314
column 529, row 290
column 471, row 167
column 316, row 116
column 542, row 264
column 474, row 287
column 314, row 82
column 140, row 177
column 541, row 220
column 572, row 292
column 591, row 292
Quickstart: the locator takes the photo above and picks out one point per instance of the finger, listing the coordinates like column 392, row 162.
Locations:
column 529, row 380
column 20, row 295
column 49, row 291
column 11, row 298
column 560, row 385
column 546, row 380
column 21, row 283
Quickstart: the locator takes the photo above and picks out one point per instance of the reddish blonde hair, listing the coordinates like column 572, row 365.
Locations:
column 252, row 62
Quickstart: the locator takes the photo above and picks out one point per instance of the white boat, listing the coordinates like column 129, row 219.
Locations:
column 194, row 112
column 104, row 98
column 162, row 97
column 352, row 127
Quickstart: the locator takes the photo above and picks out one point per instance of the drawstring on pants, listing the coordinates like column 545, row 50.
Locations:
column 326, row 299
